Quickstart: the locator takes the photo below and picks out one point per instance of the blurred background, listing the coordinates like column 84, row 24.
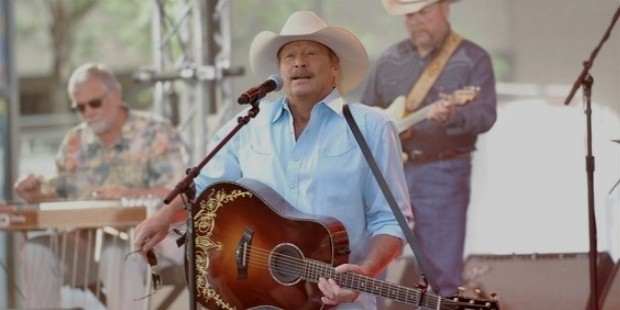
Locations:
column 187, row 60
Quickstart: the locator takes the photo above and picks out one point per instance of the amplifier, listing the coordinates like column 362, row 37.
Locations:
column 610, row 299
column 537, row 281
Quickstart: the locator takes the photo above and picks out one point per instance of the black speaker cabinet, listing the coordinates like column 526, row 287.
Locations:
column 610, row 299
column 538, row 281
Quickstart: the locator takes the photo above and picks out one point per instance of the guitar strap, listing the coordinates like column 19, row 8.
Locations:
column 426, row 271
column 432, row 71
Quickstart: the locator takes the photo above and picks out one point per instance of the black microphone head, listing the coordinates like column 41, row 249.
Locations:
column 279, row 82
column 273, row 83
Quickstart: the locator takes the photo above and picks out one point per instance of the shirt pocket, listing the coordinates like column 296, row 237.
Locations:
column 129, row 174
column 261, row 144
column 340, row 145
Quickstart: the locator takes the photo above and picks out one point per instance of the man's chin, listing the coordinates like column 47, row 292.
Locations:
column 97, row 127
column 422, row 38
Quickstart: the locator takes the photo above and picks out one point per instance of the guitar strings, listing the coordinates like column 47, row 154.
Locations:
column 305, row 269
column 300, row 268
column 294, row 266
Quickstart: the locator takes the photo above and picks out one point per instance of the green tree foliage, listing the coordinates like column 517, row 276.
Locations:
column 77, row 31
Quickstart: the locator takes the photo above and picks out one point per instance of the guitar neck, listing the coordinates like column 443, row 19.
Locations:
column 412, row 119
column 352, row 281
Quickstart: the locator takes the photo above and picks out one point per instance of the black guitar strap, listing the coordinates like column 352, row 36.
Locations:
column 426, row 272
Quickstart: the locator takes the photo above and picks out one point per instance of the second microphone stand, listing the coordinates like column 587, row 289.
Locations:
column 585, row 81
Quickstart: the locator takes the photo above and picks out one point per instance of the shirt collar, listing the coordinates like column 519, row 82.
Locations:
column 333, row 101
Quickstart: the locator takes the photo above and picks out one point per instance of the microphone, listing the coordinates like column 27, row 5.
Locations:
column 274, row 83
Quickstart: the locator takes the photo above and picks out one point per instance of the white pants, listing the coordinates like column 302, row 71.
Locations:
column 49, row 262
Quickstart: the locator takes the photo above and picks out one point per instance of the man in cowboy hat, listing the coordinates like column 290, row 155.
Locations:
column 428, row 66
column 301, row 146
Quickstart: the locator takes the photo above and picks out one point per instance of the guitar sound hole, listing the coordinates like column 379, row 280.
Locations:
column 286, row 264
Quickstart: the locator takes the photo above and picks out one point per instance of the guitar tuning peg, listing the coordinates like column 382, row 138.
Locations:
column 460, row 291
column 493, row 296
column 478, row 292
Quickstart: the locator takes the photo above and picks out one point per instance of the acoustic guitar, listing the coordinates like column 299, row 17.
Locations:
column 255, row 251
column 404, row 119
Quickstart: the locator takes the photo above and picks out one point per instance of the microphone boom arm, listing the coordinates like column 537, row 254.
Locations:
column 588, row 64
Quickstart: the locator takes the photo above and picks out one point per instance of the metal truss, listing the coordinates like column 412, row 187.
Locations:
column 191, row 67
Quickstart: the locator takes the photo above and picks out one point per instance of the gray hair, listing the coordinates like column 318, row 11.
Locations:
column 89, row 71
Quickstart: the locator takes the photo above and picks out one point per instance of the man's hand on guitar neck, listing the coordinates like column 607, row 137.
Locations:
column 333, row 294
column 441, row 111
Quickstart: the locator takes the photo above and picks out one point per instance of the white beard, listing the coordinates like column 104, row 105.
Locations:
column 101, row 125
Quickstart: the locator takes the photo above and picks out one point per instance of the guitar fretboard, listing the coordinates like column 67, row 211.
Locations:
column 316, row 269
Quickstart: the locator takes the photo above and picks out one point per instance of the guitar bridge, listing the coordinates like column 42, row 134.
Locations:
column 243, row 253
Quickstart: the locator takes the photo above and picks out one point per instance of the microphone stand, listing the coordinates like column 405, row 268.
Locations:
column 585, row 80
column 187, row 187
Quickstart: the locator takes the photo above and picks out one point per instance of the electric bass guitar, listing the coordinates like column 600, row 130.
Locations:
column 404, row 119
column 253, row 250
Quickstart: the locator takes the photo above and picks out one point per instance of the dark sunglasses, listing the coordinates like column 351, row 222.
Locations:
column 157, row 281
column 93, row 104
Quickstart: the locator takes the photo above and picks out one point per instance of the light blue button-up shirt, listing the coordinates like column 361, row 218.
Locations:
column 323, row 172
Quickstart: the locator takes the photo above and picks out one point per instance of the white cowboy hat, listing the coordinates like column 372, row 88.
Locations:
column 307, row 26
column 402, row 7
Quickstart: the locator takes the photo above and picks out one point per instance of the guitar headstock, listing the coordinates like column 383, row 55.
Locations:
column 464, row 95
column 466, row 303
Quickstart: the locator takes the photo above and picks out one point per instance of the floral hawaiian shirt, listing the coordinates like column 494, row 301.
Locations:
column 149, row 153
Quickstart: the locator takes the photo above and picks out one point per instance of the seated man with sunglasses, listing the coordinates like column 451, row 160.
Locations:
column 114, row 153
